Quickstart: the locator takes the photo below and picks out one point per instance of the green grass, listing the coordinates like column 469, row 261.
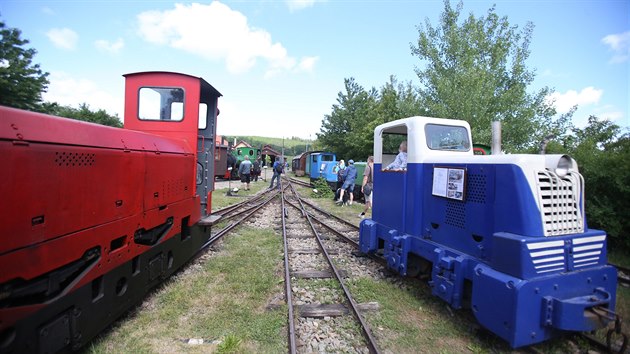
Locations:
column 224, row 300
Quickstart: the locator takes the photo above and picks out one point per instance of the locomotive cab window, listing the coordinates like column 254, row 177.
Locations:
column 446, row 137
column 203, row 116
column 394, row 149
column 161, row 103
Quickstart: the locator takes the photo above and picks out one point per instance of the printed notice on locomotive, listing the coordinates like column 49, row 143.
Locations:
column 449, row 182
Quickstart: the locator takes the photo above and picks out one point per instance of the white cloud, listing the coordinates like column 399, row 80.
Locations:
column 620, row 44
column 216, row 32
column 307, row 63
column 64, row 38
column 110, row 47
column 48, row 11
column 565, row 101
column 69, row 91
column 296, row 5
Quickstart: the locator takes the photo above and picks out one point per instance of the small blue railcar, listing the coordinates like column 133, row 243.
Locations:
column 505, row 235
column 321, row 164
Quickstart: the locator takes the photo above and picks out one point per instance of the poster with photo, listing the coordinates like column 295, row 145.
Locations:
column 449, row 182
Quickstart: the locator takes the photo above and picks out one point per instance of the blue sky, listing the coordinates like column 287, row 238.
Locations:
column 280, row 64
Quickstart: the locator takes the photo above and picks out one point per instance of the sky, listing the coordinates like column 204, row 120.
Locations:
column 280, row 64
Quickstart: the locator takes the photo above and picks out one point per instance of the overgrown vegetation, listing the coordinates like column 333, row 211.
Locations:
column 602, row 150
column 321, row 189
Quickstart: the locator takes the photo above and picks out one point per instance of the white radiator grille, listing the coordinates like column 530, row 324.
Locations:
column 547, row 256
column 587, row 250
column 561, row 202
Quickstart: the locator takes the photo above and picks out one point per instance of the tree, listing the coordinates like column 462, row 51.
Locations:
column 82, row 113
column 343, row 131
column 21, row 81
column 602, row 151
column 475, row 71
column 349, row 129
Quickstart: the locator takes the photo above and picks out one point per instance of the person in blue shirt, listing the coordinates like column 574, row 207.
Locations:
column 340, row 169
column 348, row 184
column 400, row 162
column 277, row 171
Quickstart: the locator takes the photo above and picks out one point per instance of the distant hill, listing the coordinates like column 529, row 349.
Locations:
column 292, row 146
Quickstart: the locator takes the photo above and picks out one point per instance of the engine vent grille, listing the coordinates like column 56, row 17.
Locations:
column 561, row 202
column 476, row 191
column 74, row 159
column 456, row 214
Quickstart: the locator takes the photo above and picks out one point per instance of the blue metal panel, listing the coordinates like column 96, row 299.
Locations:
column 525, row 312
column 515, row 208
column 389, row 197
column 527, row 257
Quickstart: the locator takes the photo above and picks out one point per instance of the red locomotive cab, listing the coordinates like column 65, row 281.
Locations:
column 177, row 106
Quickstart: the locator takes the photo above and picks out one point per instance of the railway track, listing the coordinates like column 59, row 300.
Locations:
column 309, row 264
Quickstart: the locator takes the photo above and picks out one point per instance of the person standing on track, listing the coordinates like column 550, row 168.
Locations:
column 245, row 170
column 277, row 171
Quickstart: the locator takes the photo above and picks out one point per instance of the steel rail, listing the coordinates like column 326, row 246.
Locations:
column 229, row 228
column 382, row 261
column 287, row 279
column 371, row 342
column 626, row 271
column 344, row 221
column 230, row 208
column 300, row 182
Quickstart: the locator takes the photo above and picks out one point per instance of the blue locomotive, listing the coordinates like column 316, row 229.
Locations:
column 505, row 235
column 321, row 165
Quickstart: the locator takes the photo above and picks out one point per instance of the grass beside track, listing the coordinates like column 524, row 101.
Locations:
column 223, row 300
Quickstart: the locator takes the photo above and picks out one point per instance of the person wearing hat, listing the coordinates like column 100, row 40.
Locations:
column 348, row 184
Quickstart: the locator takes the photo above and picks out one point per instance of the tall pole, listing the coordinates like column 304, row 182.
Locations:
column 496, row 138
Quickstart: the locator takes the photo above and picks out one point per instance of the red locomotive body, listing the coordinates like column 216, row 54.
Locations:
column 94, row 216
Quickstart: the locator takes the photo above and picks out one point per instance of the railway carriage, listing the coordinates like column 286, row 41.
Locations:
column 95, row 216
column 504, row 235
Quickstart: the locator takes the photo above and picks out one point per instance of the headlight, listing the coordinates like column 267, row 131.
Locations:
column 560, row 164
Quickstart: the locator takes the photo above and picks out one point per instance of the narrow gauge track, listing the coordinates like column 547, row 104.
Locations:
column 303, row 232
column 243, row 210
column 623, row 275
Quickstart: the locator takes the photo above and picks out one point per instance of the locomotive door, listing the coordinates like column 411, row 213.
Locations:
column 205, row 155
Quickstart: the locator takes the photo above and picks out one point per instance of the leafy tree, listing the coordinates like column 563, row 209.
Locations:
column 349, row 129
column 82, row 113
column 347, row 122
column 21, row 81
column 475, row 71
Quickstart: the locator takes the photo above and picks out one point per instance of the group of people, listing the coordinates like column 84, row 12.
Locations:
column 250, row 171
column 346, row 176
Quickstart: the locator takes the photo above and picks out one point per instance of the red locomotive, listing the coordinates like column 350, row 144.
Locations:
column 93, row 216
